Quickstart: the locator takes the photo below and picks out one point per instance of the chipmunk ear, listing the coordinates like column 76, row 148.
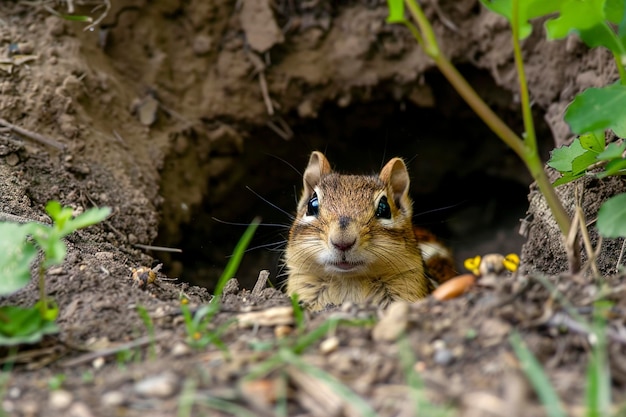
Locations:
column 318, row 166
column 396, row 175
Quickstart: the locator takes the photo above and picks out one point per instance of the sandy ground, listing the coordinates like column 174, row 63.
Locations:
column 167, row 110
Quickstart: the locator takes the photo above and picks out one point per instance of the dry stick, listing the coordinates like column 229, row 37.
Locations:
column 107, row 7
column 8, row 217
column 591, row 253
column 560, row 319
column 261, row 282
column 113, row 350
column 621, row 256
column 158, row 248
column 32, row 135
column 266, row 94
column 579, row 222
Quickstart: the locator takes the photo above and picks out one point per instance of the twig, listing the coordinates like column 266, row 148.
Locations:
column 8, row 217
column 284, row 131
column 261, row 282
column 107, row 4
column 70, row 6
column 158, row 248
column 561, row 319
column 32, row 135
column 113, row 350
column 621, row 257
column 266, row 95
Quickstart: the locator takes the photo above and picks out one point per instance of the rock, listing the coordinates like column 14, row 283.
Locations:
column 160, row 386
column 257, row 21
column 113, row 399
column 60, row 399
column 393, row 323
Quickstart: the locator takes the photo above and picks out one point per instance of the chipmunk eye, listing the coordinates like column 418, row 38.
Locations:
column 383, row 211
column 313, row 208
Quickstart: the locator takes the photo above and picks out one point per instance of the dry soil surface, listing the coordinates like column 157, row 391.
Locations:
column 161, row 110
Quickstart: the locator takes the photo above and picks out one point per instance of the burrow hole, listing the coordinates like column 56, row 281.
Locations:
column 467, row 186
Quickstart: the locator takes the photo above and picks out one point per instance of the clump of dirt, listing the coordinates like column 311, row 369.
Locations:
column 166, row 110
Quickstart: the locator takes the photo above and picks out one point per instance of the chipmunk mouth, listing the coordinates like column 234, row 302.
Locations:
column 345, row 266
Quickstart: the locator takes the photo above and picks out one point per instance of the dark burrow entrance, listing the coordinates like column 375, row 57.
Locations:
column 467, row 186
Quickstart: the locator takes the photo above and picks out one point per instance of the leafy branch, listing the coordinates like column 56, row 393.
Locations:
column 589, row 115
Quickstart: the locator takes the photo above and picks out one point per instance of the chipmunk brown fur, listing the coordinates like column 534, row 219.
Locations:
column 353, row 239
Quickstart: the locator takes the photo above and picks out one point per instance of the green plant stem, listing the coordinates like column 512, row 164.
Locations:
column 531, row 156
column 43, row 306
column 528, row 154
column 620, row 68
column 530, row 138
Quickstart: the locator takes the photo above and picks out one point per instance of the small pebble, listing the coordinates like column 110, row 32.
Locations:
column 113, row 399
column 12, row 159
column 282, row 331
column 180, row 349
column 393, row 323
column 159, row 386
column 329, row 345
column 14, row 393
column 60, row 399
column 79, row 410
column 443, row 356
column 98, row 363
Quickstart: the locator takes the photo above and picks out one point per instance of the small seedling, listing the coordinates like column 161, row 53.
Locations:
column 19, row 247
column 56, row 381
column 147, row 321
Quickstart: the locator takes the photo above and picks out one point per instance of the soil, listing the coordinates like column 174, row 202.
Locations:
column 167, row 110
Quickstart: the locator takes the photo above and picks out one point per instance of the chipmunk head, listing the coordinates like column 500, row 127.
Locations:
column 352, row 225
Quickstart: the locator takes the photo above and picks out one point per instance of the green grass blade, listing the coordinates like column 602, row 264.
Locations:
column 598, row 372
column 226, row 406
column 147, row 321
column 537, row 377
column 235, row 260
column 298, row 313
column 187, row 398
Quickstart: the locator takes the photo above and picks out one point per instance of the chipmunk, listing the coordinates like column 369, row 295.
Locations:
column 353, row 240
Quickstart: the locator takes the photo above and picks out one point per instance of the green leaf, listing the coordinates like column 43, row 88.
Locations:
column 396, row 11
column 16, row 256
column 612, row 217
column 582, row 162
column 528, row 10
column 613, row 168
column 586, row 18
column 567, row 177
column 88, row 218
column 538, row 378
column 593, row 141
column 612, row 151
column 561, row 158
column 598, row 108
column 58, row 214
column 55, row 251
column 614, row 11
column 23, row 325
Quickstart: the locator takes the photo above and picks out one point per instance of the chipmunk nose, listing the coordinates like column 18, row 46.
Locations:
column 343, row 245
